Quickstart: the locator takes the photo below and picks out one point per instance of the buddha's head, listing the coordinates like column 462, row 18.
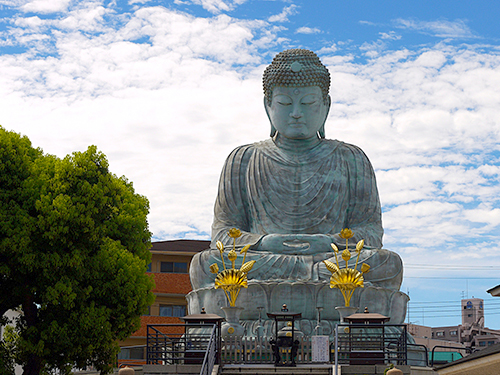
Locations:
column 296, row 99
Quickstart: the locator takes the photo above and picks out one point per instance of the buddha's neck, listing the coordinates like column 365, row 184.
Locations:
column 295, row 145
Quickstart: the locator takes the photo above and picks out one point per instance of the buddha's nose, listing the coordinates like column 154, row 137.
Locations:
column 296, row 113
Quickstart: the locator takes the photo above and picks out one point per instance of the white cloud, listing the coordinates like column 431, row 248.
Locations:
column 391, row 35
column 144, row 104
column 307, row 30
column 328, row 50
column 215, row 6
column 45, row 6
column 373, row 49
column 285, row 13
column 440, row 28
column 169, row 109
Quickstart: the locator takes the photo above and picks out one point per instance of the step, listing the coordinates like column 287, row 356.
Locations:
column 320, row 369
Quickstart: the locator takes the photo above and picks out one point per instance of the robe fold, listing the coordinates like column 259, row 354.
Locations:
column 264, row 189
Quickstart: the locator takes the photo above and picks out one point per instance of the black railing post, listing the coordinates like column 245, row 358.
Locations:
column 447, row 347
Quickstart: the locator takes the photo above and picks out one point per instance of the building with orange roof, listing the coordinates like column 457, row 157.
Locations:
column 169, row 267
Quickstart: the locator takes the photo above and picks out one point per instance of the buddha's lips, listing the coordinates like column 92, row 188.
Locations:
column 296, row 124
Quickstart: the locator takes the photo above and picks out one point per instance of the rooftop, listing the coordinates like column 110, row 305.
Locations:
column 180, row 247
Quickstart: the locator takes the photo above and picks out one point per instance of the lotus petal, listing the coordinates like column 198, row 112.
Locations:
column 365, row 268
column 232, row 255
column 359, row 245
column 214, row 268
column 234, row 233
column 247, row 266
column 334, row 247
column 347, row 279
column 220, row 246
column 346, row 233
column 231, row 279
column 245, row 249
column 346, row 255
column 330, row 266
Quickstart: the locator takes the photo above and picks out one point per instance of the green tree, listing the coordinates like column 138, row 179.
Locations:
column 74, row 246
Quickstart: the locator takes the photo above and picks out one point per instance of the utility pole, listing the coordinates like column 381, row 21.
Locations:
column 408, row 306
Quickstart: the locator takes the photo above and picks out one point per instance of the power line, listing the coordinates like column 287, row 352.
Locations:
column 451, row 278
column 454, row 312
column 451, row 304
column 450, row 267
column 446, row 315
column 493, row 299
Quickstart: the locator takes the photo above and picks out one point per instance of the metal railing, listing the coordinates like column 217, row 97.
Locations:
column 253, row 350
column 201, row 344
column 467, row 350
column 212, row 352
column 424, row 360
column 358, row 344
column 169, row 344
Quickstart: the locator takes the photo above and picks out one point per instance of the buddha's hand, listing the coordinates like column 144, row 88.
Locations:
column 295, row 244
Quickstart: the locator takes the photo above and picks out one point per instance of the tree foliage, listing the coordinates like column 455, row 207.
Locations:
column 74, row 245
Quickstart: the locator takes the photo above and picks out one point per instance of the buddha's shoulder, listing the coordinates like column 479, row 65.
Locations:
column 253, row 147
column 344, row 147
column 327, row 147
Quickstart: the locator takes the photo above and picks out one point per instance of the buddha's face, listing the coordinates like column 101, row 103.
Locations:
column 297, row 112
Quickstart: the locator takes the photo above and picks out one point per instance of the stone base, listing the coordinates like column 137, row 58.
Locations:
column 301, row 297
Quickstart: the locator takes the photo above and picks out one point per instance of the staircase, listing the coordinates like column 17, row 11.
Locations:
column 320, row 369
column 268, row 369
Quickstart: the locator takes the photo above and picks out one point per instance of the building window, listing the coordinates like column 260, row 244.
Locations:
column 469, row 315
column 453, row 333
column 149, row 268
column 132, row 353
column 173, row 310
column 173, row 267
column 482, row 343
column 491, row 343
column 440, row 334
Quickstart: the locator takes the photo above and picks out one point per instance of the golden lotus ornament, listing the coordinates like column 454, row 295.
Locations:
column 231, row 280
column 347, row 280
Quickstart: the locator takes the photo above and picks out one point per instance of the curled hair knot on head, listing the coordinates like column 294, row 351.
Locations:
column 296, row 68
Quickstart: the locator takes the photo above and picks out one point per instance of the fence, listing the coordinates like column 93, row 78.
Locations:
column 461, row 349
column 212, row 353
column 252, row 350
column 359, row 344
column 201, row 344
column 169, row 344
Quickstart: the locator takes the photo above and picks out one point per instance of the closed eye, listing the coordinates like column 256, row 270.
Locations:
column 309, row 99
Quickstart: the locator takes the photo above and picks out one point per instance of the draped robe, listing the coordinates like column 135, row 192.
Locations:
column 313, row 189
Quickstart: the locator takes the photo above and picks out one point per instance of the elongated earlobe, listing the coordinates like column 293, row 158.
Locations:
column 266, row 106
column 321, row 132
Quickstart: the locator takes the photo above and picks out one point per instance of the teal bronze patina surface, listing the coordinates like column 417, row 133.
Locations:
column 291, row 195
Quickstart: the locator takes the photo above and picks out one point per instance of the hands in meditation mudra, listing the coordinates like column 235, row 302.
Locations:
column 290, row 196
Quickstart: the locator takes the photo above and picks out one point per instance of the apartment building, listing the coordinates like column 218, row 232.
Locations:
column 170, row 263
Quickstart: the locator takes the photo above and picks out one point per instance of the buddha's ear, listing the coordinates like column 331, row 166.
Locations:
column 321, row 131
column 266, row 106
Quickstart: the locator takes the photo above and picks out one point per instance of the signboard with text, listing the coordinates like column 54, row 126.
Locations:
column 320, row 349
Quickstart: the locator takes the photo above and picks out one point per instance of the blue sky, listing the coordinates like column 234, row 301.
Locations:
column 167, row 89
